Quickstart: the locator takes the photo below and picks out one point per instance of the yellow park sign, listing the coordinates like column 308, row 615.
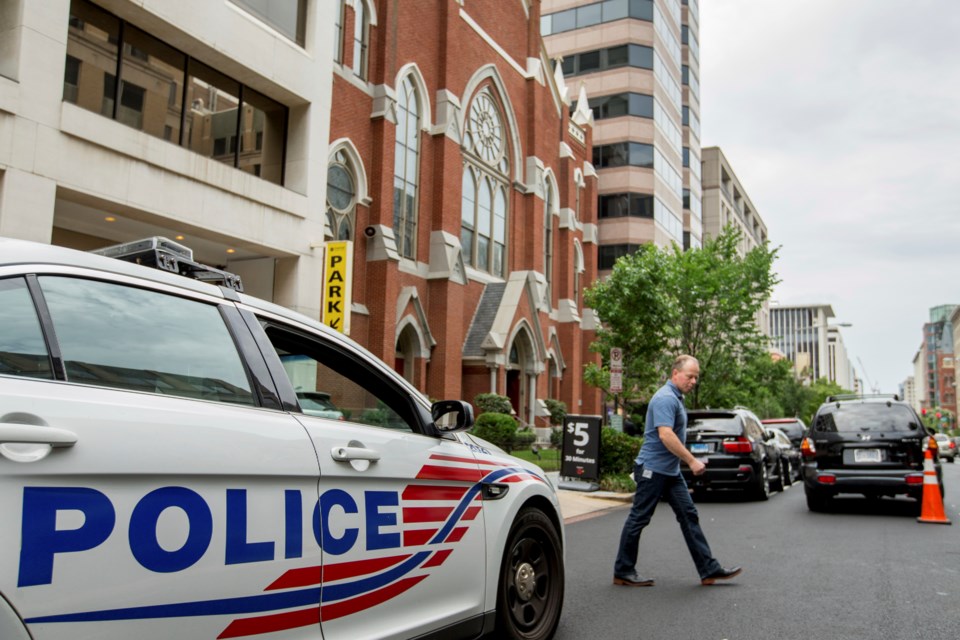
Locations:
column 337, row 285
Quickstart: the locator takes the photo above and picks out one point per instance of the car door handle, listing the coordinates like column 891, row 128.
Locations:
column 345, row 454
column 31, row 434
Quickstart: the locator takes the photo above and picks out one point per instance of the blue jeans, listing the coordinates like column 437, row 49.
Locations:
column 650, row 491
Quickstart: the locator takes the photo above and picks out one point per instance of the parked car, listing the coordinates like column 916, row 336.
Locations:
column 789, row 455
column 793, row 427
column 869, row 445
column 160, row 478
column 739, row 452
column 318, row 403
column 946, row 447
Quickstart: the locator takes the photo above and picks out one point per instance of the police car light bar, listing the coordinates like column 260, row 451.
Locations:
column 165, row 254
column 147, row 244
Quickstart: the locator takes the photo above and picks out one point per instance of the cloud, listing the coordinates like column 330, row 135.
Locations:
column 841, row 121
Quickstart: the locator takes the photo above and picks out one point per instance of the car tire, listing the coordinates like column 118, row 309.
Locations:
column 530, row 593
column 817, row 502
column 762, row 490
column 778, row 483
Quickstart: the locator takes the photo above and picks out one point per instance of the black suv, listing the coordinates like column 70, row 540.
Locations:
column 870, row 445
column 739, row 453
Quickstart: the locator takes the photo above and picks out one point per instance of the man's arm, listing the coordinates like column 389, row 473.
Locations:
column 674, row 446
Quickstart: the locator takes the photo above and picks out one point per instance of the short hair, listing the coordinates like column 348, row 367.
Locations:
column 681, row 362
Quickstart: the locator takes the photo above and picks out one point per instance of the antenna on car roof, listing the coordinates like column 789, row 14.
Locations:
column 165, row 254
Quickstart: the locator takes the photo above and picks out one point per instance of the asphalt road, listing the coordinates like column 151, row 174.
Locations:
column 864, row 571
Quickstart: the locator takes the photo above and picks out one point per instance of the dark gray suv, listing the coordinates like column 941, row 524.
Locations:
column 868, row 445
column 739, row 452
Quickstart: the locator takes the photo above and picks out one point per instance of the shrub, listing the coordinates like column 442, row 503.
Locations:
column 523, row 439
column 557, row 409
column 496, row 428
column 618, row 482
column 493, row 403
column 617, row 452
column 556, row 437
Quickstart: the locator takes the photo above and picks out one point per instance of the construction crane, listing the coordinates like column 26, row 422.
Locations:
column 873, row 387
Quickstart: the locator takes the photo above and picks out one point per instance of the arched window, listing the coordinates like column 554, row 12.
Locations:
column 577, row 270
column 483, row 231
column 548, row 240
column 341, row 196
column 406, row 165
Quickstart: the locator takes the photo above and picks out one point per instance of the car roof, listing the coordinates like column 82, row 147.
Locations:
column 712, row 413
column 25, row 253
column 781, row 420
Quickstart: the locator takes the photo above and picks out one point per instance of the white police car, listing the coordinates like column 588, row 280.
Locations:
column 159, row 479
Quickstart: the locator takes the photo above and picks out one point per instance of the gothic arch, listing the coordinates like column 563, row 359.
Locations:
column 483, row 74
column 413, row 71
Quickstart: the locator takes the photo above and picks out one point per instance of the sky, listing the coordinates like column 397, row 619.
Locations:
column 841, row 120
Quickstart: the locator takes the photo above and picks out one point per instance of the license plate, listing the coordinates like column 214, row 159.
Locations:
column 866, row 455
column 699, row 447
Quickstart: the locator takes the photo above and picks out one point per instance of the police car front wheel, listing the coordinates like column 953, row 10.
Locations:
column 530, row 595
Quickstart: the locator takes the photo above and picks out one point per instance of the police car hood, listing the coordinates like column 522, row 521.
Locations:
column 480, row 442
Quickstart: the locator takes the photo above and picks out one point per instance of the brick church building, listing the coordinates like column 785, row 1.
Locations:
column 459, row 173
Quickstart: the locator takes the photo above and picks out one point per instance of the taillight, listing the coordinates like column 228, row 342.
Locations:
column 807, row 450
column 953, row 445
column 737, row 445
column 915, row 479
column 824, row 478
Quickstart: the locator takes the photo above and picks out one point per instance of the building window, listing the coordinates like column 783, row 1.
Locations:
column 578, row 269
column 483, row 232
column 338, row 32
column 286, row 16
column 621, row 205
column 608, row 254
column 620, row 154
column 596, row 13
column 633, row 55
column 361, row 35
column 406, row 164
column 548, row 241
column 166, row 94
column 341, row 197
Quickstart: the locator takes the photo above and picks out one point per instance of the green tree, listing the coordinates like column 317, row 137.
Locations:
column 659, row 303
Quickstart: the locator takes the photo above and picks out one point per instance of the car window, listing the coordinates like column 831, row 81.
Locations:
column 792, row 429
column 866, row 417
column 112, row 335
column 23, row 351
column 729, row 425
column 357, row 392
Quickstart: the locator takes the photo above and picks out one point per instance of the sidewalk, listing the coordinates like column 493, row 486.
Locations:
column 580, row 505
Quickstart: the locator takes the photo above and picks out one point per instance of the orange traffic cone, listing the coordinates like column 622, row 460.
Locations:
column 932, row 509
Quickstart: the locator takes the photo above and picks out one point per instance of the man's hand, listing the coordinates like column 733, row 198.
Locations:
column 698, row 467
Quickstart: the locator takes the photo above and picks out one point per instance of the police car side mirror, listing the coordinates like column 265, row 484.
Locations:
column 452, row 415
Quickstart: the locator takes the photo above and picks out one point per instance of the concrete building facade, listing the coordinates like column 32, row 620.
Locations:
column 937, row 361
column 206, row 123
column 805, row 336
column 726, row 204
column 638, row 62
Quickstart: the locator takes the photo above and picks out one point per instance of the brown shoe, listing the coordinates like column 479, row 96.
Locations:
column 721, row 574
column 632, row 580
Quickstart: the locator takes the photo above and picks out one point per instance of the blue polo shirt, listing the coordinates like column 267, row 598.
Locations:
column 665, row 410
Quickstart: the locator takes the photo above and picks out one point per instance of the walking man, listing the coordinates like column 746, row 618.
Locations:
column 657, row 473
